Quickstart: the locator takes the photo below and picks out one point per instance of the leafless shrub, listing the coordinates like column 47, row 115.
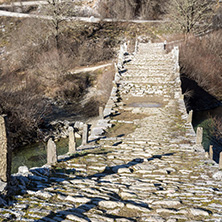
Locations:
column 94, row 51
column 72, row 87
column 26, row 109
column 201, row 60
column 191, row 15
column 217, row 19
column 51, row 66
column 217, row 128
column 130, row 9
column 189, row 93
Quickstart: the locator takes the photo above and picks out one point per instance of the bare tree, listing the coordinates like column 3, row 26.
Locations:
column 217, row 19
column 151, row 9
column 190, row 14
column 129, row 9
column 59, row 12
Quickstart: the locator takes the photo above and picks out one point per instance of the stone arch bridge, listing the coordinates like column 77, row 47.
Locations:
column 156, row 172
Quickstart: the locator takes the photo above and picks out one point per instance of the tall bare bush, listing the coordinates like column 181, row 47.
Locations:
column 25, row 109
column 130, row 9
column 190, row 15
column 201, row 60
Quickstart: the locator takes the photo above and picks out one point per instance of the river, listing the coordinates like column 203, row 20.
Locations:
column 35, row 155
column 204, row 119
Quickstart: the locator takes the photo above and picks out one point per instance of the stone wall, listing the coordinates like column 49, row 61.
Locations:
column 180, row 98
column 102, row 124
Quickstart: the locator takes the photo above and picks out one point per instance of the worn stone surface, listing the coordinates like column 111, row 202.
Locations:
column 154, row 174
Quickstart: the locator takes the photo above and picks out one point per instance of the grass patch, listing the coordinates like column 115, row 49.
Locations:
column 129, row 116
column 120, row 129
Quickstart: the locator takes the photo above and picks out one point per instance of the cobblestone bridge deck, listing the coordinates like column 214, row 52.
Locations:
column 156, row 173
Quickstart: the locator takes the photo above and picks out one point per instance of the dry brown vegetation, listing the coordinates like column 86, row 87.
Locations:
column 35, row 73
column 130, row 9
column 35, row 77
column 214, row 134
column 201, row 61
column 217, row 129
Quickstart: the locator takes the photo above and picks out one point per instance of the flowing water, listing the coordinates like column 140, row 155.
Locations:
column 34, row 155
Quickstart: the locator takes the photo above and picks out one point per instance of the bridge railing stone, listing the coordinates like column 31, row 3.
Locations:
column 199, row 138
column 5, row 151
column 122, row 51
column 190, row 117
column 176, row 58
column 220, row 161
column 72, row 140
column 211, row 153
column 85, row 134
column 136, row 47
column 51, row 152
column 101, row 116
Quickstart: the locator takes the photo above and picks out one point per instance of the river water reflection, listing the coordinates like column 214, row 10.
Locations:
column 34, row 155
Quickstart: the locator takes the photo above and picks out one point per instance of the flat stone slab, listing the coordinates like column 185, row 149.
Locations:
column 111, row 204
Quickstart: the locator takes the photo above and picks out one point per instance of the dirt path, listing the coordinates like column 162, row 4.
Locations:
column 90, row 69
column 83, row 19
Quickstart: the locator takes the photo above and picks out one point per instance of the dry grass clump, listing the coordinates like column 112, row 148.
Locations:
column 201, row 60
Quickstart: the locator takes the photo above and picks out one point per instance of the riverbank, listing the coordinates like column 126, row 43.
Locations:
column 35, row 155
column 205, row 119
